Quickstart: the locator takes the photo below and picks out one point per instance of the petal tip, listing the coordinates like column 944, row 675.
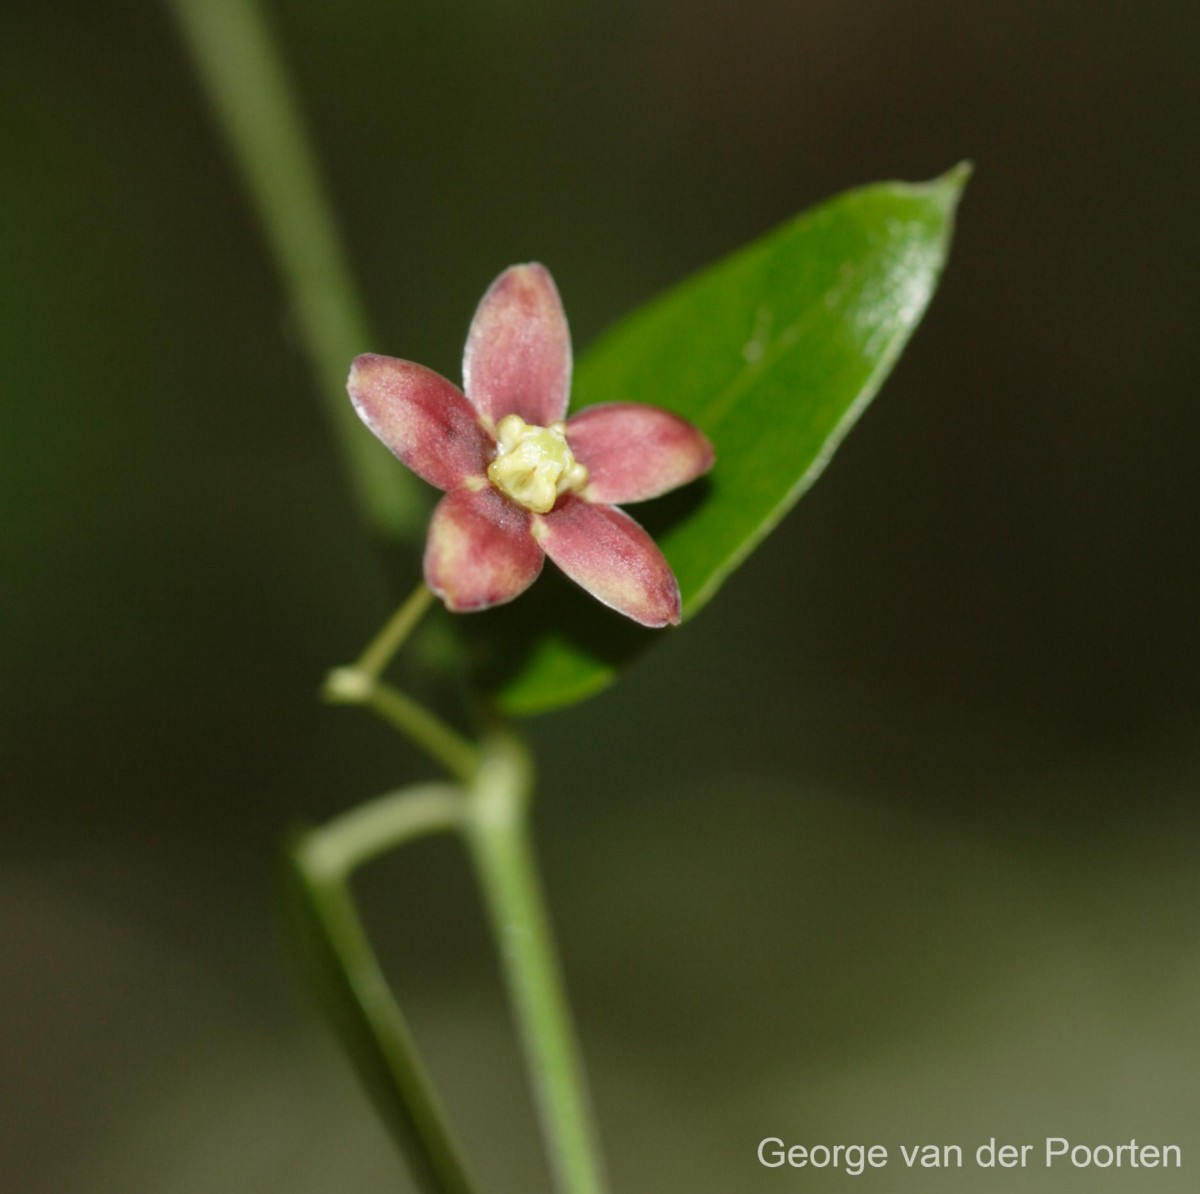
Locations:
column 533, row 271
column 361, row 364
column 608, row 554
column 665, row 612
column 457, row 605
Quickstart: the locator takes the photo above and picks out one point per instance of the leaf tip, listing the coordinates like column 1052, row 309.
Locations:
column 952, row 184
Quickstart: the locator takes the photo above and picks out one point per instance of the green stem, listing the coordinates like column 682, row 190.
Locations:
column 252, row 99
column 359, row 684
column 380, row 651
column 351, row 984
column 497, row 829
column 356, row 837
column 349, row 686
column 447, row 746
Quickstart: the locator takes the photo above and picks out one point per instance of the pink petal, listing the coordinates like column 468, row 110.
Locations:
column 421, row 417
column 518, row 356
column 636, row 452
column 480, row 550
column 605, row 551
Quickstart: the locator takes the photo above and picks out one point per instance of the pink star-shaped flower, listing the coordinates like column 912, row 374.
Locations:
column 520, row 483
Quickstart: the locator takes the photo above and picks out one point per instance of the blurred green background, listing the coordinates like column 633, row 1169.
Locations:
column 896, row 842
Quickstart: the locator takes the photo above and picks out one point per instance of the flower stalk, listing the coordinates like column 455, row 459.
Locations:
column 360, row 683
column 381, row 650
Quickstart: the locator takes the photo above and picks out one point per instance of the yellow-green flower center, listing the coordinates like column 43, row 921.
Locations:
column 534, row 465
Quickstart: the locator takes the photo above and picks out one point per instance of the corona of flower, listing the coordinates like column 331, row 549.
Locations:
column 521, row 481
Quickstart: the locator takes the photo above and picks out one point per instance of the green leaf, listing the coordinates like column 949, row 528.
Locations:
column 773, row 353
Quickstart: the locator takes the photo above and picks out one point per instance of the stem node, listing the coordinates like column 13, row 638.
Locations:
column 347, row 686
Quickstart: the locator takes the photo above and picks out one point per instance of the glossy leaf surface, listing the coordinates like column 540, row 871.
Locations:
column 773, row 353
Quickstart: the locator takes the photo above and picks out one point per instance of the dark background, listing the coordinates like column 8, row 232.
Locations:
column 896, row 843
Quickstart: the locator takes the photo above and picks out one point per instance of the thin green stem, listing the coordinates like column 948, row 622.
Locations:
column 251, row 96
column 347, row 976
column 349, row 686
column 456, row 753
column 359, row 684
column 497, row 829
column 356, row 837
column 380, row 651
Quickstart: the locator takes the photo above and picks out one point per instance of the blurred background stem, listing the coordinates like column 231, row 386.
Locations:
column 251, row 97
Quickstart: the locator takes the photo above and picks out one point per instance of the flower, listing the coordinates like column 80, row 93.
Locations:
column 521, row 483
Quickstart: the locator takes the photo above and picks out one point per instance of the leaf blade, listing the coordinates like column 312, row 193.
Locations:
column 774, row 353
